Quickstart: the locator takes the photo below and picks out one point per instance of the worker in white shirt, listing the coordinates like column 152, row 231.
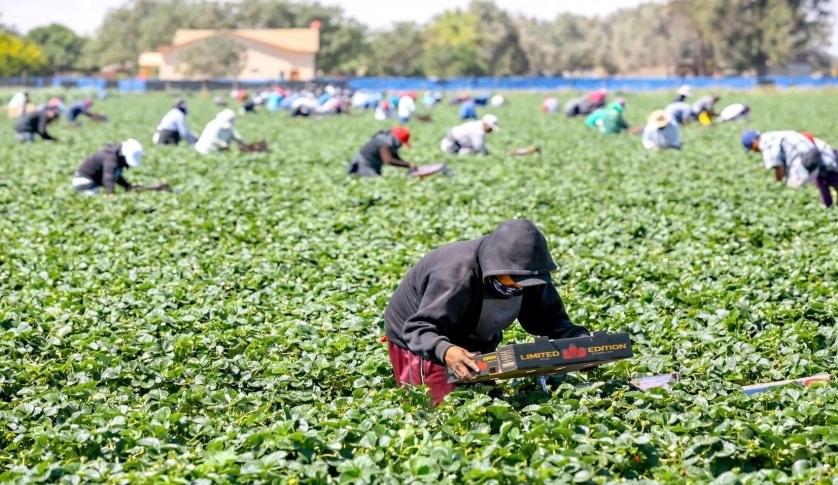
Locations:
column 407, row 106
column 172, row 128
column 734, row 112
column 219, row 134
column 661, row 132
column 305, row 106
column 470, row 137
column 18, row 104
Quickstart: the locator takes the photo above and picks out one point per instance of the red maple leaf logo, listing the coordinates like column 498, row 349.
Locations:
column 574, row 352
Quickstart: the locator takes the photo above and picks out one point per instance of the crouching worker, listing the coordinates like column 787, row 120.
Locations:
column 219, row 134
column 661, row 132
column 381, row 149
column 75, row 110
column 459, row 299
column 469, row 137
column 105, row 167
column 797, row 159
column 35, row 123
column 172, row 128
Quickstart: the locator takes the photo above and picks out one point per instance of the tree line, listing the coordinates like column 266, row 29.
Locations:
column 680, row 37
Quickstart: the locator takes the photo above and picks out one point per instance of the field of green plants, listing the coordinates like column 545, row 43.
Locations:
column 230, row 333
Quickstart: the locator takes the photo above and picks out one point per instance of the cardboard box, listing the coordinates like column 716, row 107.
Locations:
column 545, row 356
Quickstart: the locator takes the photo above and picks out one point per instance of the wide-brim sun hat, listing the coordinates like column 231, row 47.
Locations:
column 659, row 118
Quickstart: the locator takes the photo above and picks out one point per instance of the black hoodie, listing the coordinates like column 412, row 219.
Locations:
column 105, row 167
column 36, row 123
column 448, row 299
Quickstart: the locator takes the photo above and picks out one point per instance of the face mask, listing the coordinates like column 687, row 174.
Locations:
column 506, row 290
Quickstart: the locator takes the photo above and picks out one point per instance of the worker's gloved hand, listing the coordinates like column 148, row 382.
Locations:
column 461, row 362
column 411, row 167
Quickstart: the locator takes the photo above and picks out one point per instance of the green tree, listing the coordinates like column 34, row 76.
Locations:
column 62, row 47
column 450, row 45
column 396, row 52
column 218, row 56
column 755, row 34
column 498, row 49
column 19, row 56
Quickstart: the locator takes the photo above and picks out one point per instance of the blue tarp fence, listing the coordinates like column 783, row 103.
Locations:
column 456, row 84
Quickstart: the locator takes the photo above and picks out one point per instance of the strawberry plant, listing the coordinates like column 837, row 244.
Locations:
column 230, row 333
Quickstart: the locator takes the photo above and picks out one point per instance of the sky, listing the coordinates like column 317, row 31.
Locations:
column 84, row 16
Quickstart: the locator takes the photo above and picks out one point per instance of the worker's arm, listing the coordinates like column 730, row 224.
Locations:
column 123, row 183
column 395, row 161
column 42, row 128
column 779, row 173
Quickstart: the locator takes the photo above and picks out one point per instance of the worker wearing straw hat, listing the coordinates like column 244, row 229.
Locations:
column 661, row 132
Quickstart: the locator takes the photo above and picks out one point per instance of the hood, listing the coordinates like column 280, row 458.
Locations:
column 616, row 106
column 114, row 149
column 516, row 248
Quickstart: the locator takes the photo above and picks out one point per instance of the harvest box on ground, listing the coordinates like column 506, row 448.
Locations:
column 545, row 356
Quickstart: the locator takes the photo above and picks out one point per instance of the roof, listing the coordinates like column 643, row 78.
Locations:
column 305, row 41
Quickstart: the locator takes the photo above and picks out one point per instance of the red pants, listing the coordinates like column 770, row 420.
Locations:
column 410, row 369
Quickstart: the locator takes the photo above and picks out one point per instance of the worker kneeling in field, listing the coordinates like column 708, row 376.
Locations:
column 797, row 158
column 104, row 168
column 469, row 137
column 172, row 128
column 661, row 132
column 460, row 298
column 35, row 123
column 219, row 133
column 381, row 149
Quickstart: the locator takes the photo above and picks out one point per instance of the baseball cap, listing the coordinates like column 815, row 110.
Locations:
column 402, row 134
column 685, row 91
column 748, row 139
column 492, row 121
column 132, row 150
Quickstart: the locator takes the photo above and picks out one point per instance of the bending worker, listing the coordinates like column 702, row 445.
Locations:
column 469, row 137
column 382, row 149
column 459, row 299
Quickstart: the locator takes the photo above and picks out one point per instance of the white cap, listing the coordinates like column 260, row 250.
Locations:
column 684, row 91
column 132, row 150
column 492, row 121
column 330, row 89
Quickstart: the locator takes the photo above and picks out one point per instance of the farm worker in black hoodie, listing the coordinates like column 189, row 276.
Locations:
column 460, row 298
column 35, row 123
column 381, row 149
column 104, row 168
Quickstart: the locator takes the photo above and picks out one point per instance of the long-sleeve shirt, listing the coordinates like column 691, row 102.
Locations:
column 470, row 136
column 661, row 138
column 406, row 107
column 105, row 168
column 704, row 103
column 679, row 111
column 175, row 121
column 35, row 122
column 787, row 149
column 216, row 136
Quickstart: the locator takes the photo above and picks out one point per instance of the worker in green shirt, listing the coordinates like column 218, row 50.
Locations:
column 613, row 122
column 597, row 118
